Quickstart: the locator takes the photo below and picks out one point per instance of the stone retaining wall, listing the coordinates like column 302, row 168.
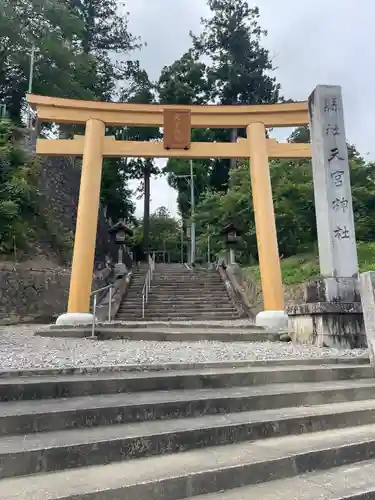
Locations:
column 37, row 296
column 28, row 295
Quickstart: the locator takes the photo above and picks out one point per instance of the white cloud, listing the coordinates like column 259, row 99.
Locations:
column 312, row 42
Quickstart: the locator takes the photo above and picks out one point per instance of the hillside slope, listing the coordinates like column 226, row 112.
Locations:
column 299, row 269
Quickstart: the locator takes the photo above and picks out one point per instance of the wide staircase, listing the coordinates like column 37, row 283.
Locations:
column 180, row 293
column 235, row 431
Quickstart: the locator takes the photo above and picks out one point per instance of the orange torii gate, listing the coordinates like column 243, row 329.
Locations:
column 177, row 122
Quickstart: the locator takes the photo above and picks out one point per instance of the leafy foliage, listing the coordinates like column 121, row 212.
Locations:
column 115, row 194
column 61, row 68
column 226, row 65
column 293, row 194
column 103, row 35
column 239, row 66
column 18, row 193
column 142, row 90
column 164, row 235
column 184, row 82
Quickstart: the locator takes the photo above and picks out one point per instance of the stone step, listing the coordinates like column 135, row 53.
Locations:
column 153, row 295
column 189, row 296
column 133, row 293
column 194, row 309
column 185, row 335
column 68, row 449
column 44, row 387
column 189, row 292
column 167, row 367
column 190, row 311
column 177, row 286
column 187, row 285
column 208, row 470
column 162, row 334
column 348, row 482
column 178, row 302
column 181, row 301
column 23, row 417
column 157, row 316
column 177, row 317
column 233, row 325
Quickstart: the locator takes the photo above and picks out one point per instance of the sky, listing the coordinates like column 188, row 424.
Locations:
column 311, row 42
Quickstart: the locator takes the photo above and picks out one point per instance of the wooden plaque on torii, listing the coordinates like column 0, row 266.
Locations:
column 177, row 129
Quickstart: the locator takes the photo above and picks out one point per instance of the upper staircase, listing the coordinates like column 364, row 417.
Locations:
column 131, row 305
column 179, row 293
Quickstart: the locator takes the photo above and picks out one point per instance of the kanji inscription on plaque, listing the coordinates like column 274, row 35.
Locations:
column 177, row 129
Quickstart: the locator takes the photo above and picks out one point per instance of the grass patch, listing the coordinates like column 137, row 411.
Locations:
column 305, row 267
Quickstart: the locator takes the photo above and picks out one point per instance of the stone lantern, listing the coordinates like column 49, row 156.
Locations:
column 120, row 231
column 231, row 234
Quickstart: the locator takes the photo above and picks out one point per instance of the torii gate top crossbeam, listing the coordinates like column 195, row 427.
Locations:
column 53, row 109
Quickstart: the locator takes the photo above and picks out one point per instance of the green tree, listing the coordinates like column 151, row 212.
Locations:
column 141, row 90
column 61, row 68
column 164, row 235
column 184, row 82
column 293, row 194
column 116, row 197
column 18, row 193
column 227, row 65
column 239, row 66
column 104, row 35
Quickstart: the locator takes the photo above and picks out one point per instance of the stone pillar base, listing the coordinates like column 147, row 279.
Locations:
column 326, row 324
column 73, row 319
column 331, row 315
column 276, row 320
column 367, row 286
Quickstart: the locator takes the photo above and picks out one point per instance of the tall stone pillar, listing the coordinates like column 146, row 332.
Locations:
column 86, row 227
column 332, row 191
column 331, row 314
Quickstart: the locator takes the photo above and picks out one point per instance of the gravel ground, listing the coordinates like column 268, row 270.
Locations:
column 19, row 349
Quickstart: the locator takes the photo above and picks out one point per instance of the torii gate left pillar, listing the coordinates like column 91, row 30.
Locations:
column 86, row 227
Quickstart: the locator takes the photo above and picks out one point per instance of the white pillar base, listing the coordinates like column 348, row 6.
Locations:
column 72, row 319
column 276, row 320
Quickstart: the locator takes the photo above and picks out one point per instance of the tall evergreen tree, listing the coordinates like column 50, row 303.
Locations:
column 186, row 82
column 60, row 66
column 105, row 34
column 142, row 90
column 236, row 70
column 239, row 66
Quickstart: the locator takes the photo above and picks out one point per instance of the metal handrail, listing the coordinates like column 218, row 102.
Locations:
column 147, row 284
column 95, row 295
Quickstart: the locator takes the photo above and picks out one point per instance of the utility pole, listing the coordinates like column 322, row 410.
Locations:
column 31, row 73
column 182, row 241
column 209, row 246
column 192, row 196
column 190, row 179
column 30, row 86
